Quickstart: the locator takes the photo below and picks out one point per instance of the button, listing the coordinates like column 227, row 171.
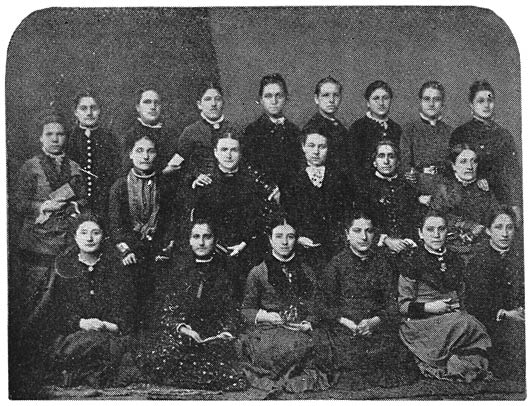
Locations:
column 89, row 154
column 89, row 147
column 92, row 292
column 89, row 140
column 89, row 160
column 89, row 194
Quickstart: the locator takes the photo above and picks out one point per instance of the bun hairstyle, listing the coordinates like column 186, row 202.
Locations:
column 432, row 84
column 378, row 84
column 328, row 79
column 280, row 220
column 478, row 86
column 48, row 116
column 84, row 93
column 206, row 86
column 88, row 216
column 231, row 133
column 273, row 78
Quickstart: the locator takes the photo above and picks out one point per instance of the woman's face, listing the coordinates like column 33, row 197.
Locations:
column 211, row 104
column 53, row 138
column 89, row 237
column 432, row 103
column 315, row 149
column 227, row 153
column 283, row 240
column 360, row 235
column 502, row 231
column 329, row 99
column 433, row 233
column 386, row 160
column 87, row 112
column 143, row 155
column 149, row 107
column 483, row 104
column 273, row 99
column 379, row 103
column 465, row 166
column 202, row 240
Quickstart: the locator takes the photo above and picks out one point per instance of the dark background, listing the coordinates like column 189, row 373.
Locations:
column 115, row 51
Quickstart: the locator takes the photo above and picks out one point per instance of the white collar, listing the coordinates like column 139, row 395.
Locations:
column 388, row 178
column 432, row 122
column 90, row 265
column 219, row 121
column 283, row 260
column 138, row 175
column 279, row 120
column 158, row 125
column 227, row 172
column 463, row 182
column 362, row 257
column 54, row 157
column 433, row 252
column 500, row 251
column 378, row 120
column 203, row 261
column 88, row 128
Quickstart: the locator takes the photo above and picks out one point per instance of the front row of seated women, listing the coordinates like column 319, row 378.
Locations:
column 298, row 328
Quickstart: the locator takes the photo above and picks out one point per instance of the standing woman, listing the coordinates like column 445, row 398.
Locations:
column 193, row 301
column 195, row 143
column 375, row 126
column 447, row 341
column 50, row 193
column 494, row 145
column 143, row 213
column 328, row 97
column 425, row 141
column 95, row 149
column 271, row 142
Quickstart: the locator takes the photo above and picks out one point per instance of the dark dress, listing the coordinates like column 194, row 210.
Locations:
column 78, row 291
column 273, row 149
column 495, row 281
column 424, row 145
column 337, row 134
column 499, row 162
column 364, row 135
column 448, row 345
column 280, row 357
column 197, row 295
column 96, row 151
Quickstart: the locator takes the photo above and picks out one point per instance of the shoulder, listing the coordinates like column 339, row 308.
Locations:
column 119, row 185
column 259, row 124
column 259, row 272
column 394, row 125
column 360, row 123
column 67, row 265
column 314, row 120
column 463, row 129
column 194, row 127
column 342, row 259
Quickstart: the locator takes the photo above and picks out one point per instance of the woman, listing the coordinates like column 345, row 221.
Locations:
column 49, row 195
column 271, row 142
column 195, row 143
column 317, row 197
column 94, row 148
column 328, row 96
column 462, row 200
column 144, row 216
column 448, row 342
column 87, row 313
column 496, row 294
column 425, row 141
column 375, row 126
column 494, row 144
column 192, row 303
column 277, row 307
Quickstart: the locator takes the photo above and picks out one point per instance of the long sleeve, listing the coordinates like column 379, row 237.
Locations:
column 408, row 306
column 251, row 302
column 406, row 148
column 24, row 199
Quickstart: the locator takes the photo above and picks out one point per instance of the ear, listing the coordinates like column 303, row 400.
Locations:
column 137, row 107
column 198, row 103
column 488, row 231
column 374, row 164
column 316, row 99
column 419, row 234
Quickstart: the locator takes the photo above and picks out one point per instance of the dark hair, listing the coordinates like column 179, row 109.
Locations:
column 457, row 149
column 320, row 129
column 141, row 91
column 430, row 213
column 389, row 143
column 478, row 86
column 378, row 84
column 280, row 220
column 49, row 116
column 201, row 221
column 432, row 84
column 328, row 79
column 206, row 86
column 357, row 214
column 88, row 216
column 230, row 133
column 273, row 78
column 136, row 136
column 85, row 93
column 496, row 211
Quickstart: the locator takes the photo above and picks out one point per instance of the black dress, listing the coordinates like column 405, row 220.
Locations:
column 198, row 295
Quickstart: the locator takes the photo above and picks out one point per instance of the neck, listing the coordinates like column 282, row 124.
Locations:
column 377, row 117
column 212, row 120
column 275, row 116
column 88, row 258
column 58, row 155
column 226, row 170
column 483, row 120
column 433, row 251
column 361, row 255
column 499, row 249
column 88, row 127
column 328, row 116
column 431, row 120
column 139, row 173
column 204, row 259
column 281, row 258
column 386, row 177
column 465, row 182
column 156, row 124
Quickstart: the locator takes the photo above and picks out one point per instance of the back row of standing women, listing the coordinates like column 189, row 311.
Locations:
column 313, row 176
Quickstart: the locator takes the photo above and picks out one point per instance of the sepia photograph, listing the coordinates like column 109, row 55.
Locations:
column 264, row 202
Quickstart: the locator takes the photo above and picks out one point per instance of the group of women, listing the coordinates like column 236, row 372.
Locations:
column 274, row 257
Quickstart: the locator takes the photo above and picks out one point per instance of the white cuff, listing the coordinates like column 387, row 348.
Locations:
column 381, row 240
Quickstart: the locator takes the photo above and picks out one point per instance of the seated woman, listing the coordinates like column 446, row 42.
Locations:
column 391, row 199
column 425, row 141
column 144, row 214
column 317, row 198
column 271, row 142
column 49, row 195
column 462, row 200
column 448, row 342
column 277, row 307
column 357, row 306
column 375, row 126
column 94, row 148
column 496, row 294
column 87, row 313
column 193, row 302
column 328, row 97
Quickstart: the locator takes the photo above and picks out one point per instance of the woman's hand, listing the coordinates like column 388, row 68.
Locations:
column 237, row 249
column 111, row 327
column 191, row 333
column 396, row 244
column 201, row 180
column 269, row 317
column 411, row 175
column 92, row 324
column 129, row 259
column 367, row 326
column 440, row 306
column 515, row 314
column 350, row 324
column 307, row 242
column 52, row 205
column 424, row 199
column 483, row 184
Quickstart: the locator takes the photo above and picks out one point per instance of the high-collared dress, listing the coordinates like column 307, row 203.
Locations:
column 494, row 281
column 499, row 158
column 448, row 345
column 273, row 148
column 196, row 293
column 97, row 152
column 279, row 356
column 425, row 145
column 364, row 135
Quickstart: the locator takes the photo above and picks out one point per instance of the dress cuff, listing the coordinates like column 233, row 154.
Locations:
column 260, row 314
column 381, row 240
column 182, row 325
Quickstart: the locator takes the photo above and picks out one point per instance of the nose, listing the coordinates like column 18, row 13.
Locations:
column 90, row 237
column 365, row 236
column 437, row 233
column 504, row 232
column 202, row 241
column 386, row 160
